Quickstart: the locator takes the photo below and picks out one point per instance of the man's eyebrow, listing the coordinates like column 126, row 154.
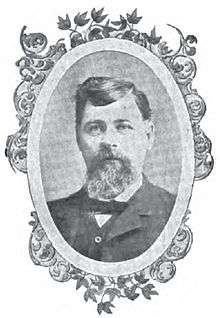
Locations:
column 120, row 120
column 95, row 121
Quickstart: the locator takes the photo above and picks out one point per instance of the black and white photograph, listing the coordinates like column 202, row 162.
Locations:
column 110, row 159
column 113, row 170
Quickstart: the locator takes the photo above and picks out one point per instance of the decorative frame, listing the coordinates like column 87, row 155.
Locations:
column 34, row 68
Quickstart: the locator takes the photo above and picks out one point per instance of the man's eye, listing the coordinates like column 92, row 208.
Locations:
column 94, row 129
column 122, row 127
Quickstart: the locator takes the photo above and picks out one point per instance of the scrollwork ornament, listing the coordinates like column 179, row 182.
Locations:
column 164, row 268
column 203, row 158
column 184, row 69
column 196, row 107
column 34, row 67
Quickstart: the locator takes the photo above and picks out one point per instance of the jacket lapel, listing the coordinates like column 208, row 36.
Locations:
column 130, row 219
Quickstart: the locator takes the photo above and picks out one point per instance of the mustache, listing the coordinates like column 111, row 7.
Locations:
column 105, row 153
column 108, row 155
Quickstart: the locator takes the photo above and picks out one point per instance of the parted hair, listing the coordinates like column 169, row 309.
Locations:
column 102, row 91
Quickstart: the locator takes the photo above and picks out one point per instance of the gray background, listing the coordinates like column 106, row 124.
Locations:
column 62, row 166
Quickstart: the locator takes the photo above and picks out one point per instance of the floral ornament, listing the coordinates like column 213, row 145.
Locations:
column 152, row 38
column 97, row 15
column 133, row 18
column 80, row 19
column 122, row 23
column 124, row 28
column 103, row 291
column 64, row 24
column 99, row 29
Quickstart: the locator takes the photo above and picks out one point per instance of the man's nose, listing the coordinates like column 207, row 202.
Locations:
column 109, row 138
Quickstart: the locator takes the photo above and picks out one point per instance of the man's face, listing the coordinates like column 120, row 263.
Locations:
column 118, row 127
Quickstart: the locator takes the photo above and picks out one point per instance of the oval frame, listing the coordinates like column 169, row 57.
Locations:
column 187, row 174
column 35, row 67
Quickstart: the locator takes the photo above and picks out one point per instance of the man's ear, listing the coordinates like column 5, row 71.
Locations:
column 149, row 130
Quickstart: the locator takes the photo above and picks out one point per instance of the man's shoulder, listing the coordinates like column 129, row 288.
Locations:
column 65, row 213
column 156, row 208
column 66, row 205
column 161, row 194
column 156, row 197
column 156, row 203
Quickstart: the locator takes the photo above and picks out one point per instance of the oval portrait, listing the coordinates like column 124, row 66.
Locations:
column 110, row 157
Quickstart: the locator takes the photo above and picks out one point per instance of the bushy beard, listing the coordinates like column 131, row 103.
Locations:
column 109, row 175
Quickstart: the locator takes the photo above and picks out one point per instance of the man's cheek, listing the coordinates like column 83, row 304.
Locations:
column 92, row 149
column 129, row 143
column 88, row 142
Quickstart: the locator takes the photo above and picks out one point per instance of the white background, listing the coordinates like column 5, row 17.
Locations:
column 28, row 290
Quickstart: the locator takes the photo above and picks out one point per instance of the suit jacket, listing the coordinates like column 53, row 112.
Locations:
column 131, row 230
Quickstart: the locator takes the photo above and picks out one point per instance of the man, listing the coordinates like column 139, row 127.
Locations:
column 118, row 213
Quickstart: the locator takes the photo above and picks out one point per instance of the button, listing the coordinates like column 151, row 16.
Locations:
column 98, row 239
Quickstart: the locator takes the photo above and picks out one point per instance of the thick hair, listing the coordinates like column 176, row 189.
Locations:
column 102, row 91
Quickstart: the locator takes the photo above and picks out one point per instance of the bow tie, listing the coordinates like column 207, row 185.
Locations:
column 107, row 207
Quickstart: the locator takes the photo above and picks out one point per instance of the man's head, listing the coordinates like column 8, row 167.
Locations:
column 114, row 131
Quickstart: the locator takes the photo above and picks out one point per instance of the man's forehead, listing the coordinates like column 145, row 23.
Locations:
column 124, row 108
